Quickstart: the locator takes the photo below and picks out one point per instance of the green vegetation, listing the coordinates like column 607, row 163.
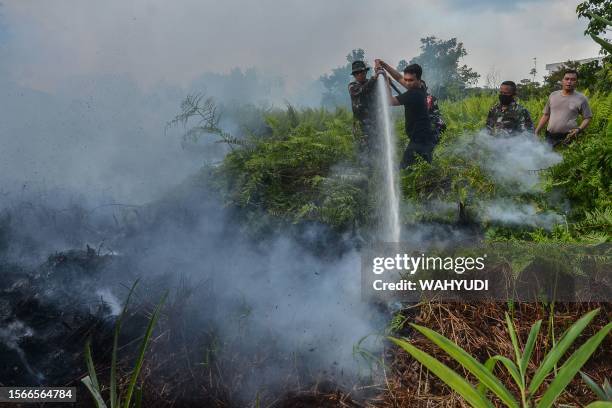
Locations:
column 603, row 392
column 477, row 397
column 303, row 166
column 295, row 171
column 599, row 14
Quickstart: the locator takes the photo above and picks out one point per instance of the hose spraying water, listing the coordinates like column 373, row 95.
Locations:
column 389, row 208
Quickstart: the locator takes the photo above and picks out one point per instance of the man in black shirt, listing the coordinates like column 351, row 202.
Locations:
column 414, row 100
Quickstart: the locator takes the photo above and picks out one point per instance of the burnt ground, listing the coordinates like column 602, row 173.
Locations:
column 46, row 314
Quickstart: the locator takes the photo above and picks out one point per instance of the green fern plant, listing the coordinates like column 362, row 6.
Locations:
column 477, row 396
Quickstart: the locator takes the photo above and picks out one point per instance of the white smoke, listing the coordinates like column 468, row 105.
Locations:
column 516, row 164
column 509, row 212
column 512, row 161
column 11, row 335
column 110, row 300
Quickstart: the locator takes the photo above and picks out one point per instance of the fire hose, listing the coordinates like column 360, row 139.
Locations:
column 391, row 81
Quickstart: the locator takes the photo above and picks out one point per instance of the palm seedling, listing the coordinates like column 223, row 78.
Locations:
column 477, row 396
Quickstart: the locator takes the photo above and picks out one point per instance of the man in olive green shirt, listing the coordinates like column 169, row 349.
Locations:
column 508, row 117
column 562, row 110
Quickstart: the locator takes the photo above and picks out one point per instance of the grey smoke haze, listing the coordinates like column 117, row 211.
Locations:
column 515, row 164
column 100, row 136
column 274, row 296
column 508, row 212
column 515, row 161
column 156, row 41
column 104, row 135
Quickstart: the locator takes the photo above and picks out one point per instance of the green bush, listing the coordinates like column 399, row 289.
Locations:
column 301, row 165
column 293, row 171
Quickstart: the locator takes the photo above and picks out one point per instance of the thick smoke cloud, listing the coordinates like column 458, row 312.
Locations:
column 100, row 134
column 275, row 297
column 509, row 212
column 105, row 136
column 515, row 163
column 87, row 162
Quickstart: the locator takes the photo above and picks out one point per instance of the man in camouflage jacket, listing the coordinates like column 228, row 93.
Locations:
column 363, row 102
column 508, row 117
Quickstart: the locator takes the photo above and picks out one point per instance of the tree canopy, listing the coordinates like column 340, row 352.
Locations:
column 440, row 60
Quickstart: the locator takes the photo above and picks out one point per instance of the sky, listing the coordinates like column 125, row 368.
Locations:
column 87, row 87
column 156, row 41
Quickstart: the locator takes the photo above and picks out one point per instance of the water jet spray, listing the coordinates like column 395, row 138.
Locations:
column 389, row 189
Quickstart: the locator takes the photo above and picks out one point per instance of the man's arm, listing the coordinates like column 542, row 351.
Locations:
column 544, row 118
column 587, row 114
column 542, row 123
column 583, row 125
column 393, row 101
column 392, row 71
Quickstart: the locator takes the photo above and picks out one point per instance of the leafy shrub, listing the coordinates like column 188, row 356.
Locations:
column 291, row 171
column 300, row 165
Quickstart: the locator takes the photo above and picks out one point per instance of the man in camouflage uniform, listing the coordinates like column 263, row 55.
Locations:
column 363, row 102
column 508, row 117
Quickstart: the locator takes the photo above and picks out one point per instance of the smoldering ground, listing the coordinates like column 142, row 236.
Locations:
column 292, row 313
column 90, row 164
column 277, row 294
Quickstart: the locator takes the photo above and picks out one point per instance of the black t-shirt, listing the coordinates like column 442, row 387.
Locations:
column 418, row 126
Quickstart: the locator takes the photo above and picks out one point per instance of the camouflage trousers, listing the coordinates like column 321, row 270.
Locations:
column 365, row 136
